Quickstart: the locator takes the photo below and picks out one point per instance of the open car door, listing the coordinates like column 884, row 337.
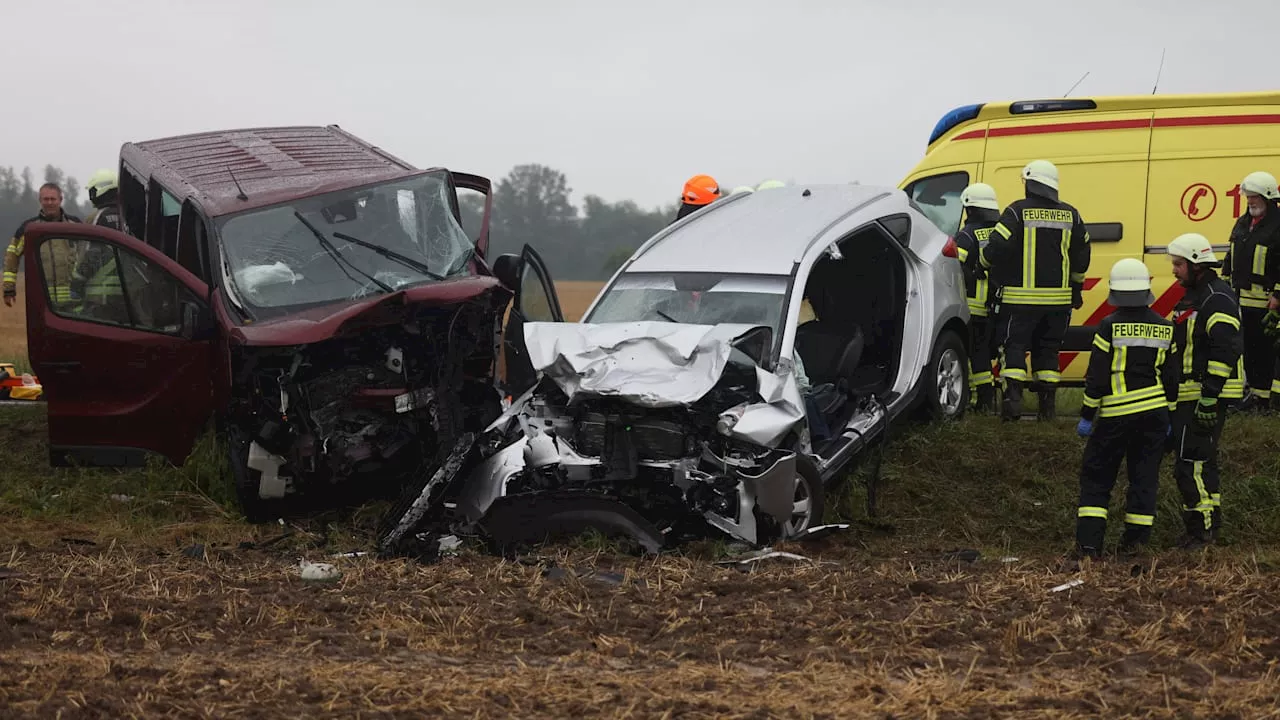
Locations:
column 121, row 338
column 535, row 301
column 482, row 185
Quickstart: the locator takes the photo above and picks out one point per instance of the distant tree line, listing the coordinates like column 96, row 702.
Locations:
column 531, row 205
column 19, row 197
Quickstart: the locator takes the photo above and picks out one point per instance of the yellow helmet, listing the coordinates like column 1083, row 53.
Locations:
column 770, row 184
column 102, row 182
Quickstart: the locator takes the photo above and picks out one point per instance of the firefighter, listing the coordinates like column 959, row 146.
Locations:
column 1130, row 386
column 1252, row 267
column 1208, row 334
column 58, row 269
column 95, row 278
column 982, row 210
column 699, row 192
column 1037, row 254
column 103, row 193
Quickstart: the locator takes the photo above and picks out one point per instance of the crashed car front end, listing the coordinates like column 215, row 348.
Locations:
column 656, row 431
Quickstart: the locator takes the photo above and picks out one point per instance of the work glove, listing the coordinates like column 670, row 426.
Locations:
column 1084, row 428
column 1207, row 412
column 1271, row 324
column 1077, row 297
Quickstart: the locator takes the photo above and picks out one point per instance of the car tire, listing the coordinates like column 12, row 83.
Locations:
column 808, row 486
column 253, row 506
column 946, row 380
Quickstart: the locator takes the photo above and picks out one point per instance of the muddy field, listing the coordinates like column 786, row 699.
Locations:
column 109, row 630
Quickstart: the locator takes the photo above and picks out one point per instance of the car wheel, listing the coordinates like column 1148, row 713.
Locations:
column 947, row 380
column 808, row 503
column 255, row 509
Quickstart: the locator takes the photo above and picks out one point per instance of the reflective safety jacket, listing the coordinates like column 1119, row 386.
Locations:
column 1133, row 365
column 1252, row 262
column 970, row 242
column 1038, row 252
column 58, row 284
column 1206, row 329
column 108, row 217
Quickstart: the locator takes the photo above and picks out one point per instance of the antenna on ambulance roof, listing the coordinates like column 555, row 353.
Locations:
column 1073, row 87
column 1158, row 71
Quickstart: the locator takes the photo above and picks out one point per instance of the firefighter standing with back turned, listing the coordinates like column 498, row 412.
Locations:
column 1207, row 333
column 1038, row 254
column 982, row 210
column 1252, row 267
column 1130, row 386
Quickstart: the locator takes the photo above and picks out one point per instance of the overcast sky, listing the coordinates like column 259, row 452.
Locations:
column 628, row 99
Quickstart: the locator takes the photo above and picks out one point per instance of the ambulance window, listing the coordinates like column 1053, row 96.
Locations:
column 938, row 197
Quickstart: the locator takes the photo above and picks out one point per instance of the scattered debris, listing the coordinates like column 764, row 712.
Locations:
column 1068, row 585
column 122, row 498
column 319, row 572
column 818, row 532
column 969, row 556
column 747, row 559
column 352, row 554
column 196, row 551
column 1009, row 559
column 449, row 544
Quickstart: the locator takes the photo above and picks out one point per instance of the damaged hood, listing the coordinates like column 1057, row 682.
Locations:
column 354, row 316
column 650, row 364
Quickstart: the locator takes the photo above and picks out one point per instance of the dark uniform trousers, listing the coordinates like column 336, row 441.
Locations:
column 1195, row 469
column 1259, row 352
column 1140, row 438
column 983, row 349
column 1038, row 329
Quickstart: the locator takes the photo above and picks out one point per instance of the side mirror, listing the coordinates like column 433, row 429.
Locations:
column 507, row 269
column 195, row 324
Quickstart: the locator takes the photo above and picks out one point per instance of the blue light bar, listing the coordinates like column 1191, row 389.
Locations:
column 961, row 114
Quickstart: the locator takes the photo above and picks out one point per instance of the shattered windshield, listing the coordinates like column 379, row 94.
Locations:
column 694, row 298
column 276, row 260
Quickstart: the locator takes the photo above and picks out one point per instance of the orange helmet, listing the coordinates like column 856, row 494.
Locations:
column 700, row 190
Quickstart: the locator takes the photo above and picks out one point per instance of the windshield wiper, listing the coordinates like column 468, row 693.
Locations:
column 403, row 260
column 337, row 256
column 666, row 317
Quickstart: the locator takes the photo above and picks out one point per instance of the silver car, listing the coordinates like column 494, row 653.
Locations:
column 725, row 375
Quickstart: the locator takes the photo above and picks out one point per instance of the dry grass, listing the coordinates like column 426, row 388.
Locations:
column 148, row 631
column 575, row 296
column 13, row 331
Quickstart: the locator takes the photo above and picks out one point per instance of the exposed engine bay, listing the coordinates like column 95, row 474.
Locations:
column 609, row 439
column 363, row 409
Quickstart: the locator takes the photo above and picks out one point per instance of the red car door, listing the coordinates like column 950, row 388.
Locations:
column 121, row 338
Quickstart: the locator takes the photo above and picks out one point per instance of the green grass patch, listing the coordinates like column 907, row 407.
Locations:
column 1013, row 487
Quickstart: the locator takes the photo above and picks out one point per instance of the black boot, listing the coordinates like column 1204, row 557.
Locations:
column 1012, row 400
column 986, row 399
column 1048, row 405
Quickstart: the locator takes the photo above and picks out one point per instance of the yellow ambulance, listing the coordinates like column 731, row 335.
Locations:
column 1141, row 169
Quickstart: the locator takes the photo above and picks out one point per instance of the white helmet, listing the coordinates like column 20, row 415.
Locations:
column 1260, row 183
column 770, row 184
column 742, row 189
column 1194, row 247
column 980, row 195
column 1043, row 172
column 1130, row 284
